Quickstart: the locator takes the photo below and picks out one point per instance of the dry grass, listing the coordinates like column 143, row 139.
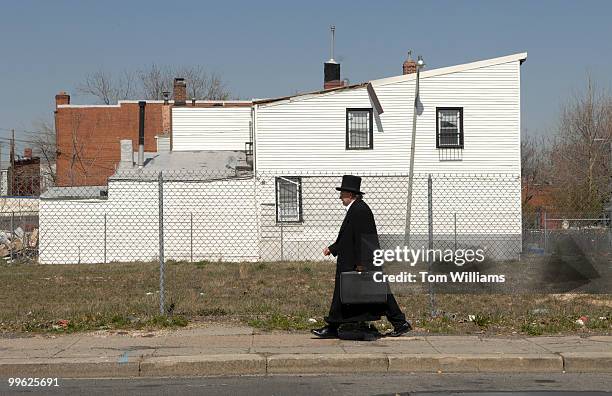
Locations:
column 264, row 295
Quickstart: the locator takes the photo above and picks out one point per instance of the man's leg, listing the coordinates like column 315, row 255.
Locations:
column 393, row 312
column 331, row 329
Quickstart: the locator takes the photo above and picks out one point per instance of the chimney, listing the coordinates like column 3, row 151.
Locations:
column 331, row 68
column 62, row 98
column 27, row 152
column 409, row 65
column 180, row 92
column 141, row 121
column 127, row 154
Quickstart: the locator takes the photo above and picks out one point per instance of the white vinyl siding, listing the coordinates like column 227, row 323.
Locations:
column 289, row 133
column 214, row 128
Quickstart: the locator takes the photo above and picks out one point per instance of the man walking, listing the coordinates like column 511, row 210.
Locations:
column 354, row 248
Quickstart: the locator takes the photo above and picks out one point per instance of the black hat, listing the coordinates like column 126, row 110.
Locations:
column 350, row 183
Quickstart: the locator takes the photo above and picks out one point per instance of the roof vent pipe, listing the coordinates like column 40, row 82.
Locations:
column 141, row 123
column 333, row 37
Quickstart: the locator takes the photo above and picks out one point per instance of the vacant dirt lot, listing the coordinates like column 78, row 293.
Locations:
column 63, row 298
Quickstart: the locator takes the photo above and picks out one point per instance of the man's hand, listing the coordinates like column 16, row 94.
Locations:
column 359, row 268
column 326, row 252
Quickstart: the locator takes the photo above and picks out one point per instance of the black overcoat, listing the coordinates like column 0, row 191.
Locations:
column 354, row 247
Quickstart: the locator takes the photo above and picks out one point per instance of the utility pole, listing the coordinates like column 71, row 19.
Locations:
column 609, row 208
column 419, row 65
column 11, row 185
column 1, row 177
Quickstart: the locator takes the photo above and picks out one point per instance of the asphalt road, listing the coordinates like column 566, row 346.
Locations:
column 405, row 384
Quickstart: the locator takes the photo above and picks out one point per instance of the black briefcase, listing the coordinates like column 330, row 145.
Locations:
column 360, row 288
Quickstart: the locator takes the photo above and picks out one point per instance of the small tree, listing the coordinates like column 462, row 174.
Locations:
column 109, row 89
column 154, row 81
column 45, row 147
column 151, row 82
column 579, row 156
column 534, row 166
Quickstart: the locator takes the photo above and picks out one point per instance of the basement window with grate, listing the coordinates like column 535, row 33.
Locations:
column 449, row 127
column 359, row 129
column 288, row 199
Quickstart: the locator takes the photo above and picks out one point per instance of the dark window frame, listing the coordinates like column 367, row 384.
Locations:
column 370, row 126
column 299, row 191
column 461, row 131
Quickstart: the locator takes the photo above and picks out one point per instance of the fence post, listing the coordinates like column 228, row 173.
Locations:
column 281, row 243
column 432, row 301
column 12, row 234
column 455, row 227
column 160, row 182
column 191, row 236
column 545, row 234
column 104, row 238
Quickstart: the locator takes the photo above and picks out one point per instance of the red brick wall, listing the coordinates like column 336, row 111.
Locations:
column 88, row 140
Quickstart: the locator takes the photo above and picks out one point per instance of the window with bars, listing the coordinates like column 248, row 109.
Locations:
column 449, row 127
column 288, row 199
column 359, row 129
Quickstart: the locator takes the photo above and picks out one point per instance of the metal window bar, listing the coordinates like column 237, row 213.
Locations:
column 449, row 133
column 359, row 129
column 288, row 199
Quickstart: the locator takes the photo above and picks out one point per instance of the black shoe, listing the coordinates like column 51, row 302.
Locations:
column 325, row 332
column 400, row 329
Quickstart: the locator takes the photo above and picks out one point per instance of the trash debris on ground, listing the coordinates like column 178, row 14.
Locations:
column 582, row 320
column 18, row 242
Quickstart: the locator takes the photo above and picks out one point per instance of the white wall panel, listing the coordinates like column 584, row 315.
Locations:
column 214, row 128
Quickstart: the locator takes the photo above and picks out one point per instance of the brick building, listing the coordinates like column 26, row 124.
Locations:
column 88, row 136
column 23, row 176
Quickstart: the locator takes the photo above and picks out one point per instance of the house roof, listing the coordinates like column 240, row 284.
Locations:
column 188, row 165
column 199, row 103
column 521, row 57
column 76, row 192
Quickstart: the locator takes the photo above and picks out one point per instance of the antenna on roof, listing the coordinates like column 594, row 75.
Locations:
column 333, row 36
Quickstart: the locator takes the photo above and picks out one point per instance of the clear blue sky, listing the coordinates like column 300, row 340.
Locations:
column 265, row 49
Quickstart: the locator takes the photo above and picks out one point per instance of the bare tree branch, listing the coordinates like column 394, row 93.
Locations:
column 108, row 89
column 580, row 156
column 154, row 81
column 45, row 146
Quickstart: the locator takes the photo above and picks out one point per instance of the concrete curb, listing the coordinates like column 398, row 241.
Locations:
column 492, row 363
column 255, row 364
column 327, row 363
column 68, row 368
column 587, row 362
column 204, row 365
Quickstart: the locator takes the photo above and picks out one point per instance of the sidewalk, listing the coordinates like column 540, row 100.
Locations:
column 219, row 350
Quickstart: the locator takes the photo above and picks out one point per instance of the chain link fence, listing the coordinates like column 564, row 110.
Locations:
column 268, row 216
column 241, row 216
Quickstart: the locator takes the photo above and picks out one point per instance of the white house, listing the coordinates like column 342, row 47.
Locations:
column 467, row 138
column 467, row 141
